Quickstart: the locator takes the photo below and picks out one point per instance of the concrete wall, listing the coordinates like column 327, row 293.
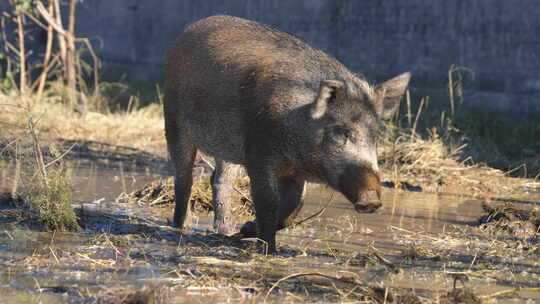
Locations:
column 498, row 41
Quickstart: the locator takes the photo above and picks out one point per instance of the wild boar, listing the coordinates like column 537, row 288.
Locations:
column 250, row 95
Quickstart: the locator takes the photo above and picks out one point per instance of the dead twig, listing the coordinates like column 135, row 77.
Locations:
column 316, row 214
column 37, row 149
column 511, row 290
column 296, row 275
column 60, row 157
column 22, row 53
column 50, row 19
column 46, row 58
column 383, row 260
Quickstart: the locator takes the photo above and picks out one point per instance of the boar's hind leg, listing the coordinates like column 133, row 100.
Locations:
column 222, row 181
column 182, row 152
column 292, row 191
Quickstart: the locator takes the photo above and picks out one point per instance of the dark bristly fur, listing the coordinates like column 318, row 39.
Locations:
column 253, row 96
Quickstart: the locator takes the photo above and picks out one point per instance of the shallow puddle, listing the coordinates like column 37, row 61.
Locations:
column 425, row 243
column 441, row 228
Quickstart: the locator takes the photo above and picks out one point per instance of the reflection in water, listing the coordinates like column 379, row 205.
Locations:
column 410, row 211
column 91, row 184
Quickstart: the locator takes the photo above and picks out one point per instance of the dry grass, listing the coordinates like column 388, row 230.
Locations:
column 41, row 202
column 430, row 164
column 161, row 193
column 45, row 193
column 423, row 158
column 506, row 219
column 139, row 128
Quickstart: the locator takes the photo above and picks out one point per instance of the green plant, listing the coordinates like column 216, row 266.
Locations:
column 47, row 188
column 49, row 200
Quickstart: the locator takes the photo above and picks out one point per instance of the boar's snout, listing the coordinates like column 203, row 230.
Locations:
column 362, row 187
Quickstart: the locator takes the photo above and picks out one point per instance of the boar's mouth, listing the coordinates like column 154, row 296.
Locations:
column 359, row 185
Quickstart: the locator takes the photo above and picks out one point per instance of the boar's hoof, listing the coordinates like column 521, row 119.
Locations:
column 249, row 229
column 367, row 208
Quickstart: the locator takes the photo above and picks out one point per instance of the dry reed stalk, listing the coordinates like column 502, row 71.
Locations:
column 57, row 24
column 22, row 53
column 46, row 58
column 71, row 56
column 511, row 290
column 16, row 176
column 297, row 275
column 413, row 132
column 6, row 50
column 451, row 90
column 409, row 111
column 40, row 162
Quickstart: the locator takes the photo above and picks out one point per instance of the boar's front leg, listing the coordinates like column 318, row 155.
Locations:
column 290, row 192
column 265, row 194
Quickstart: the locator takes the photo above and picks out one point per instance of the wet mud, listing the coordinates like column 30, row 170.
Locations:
column 505, row 218
column 419, row 248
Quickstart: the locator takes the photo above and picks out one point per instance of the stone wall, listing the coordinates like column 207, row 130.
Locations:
column 496, row 41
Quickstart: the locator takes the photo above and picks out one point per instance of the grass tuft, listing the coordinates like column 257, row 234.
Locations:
column 45, row 183
column 49, row 200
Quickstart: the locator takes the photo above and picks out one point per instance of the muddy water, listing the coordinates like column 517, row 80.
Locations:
column 402, row 211
column 441, row 225
column 52, row 268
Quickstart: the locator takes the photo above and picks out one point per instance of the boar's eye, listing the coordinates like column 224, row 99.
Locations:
column 340, row 134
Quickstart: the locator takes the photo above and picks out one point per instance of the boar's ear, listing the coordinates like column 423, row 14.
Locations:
column 328, row 91
column 389, row 94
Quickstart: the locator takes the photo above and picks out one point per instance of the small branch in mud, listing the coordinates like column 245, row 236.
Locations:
column 510, row 291
column 314, row 215
column 59, row 158
column 370, row 294
column 392, row 267
column 296, row 275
